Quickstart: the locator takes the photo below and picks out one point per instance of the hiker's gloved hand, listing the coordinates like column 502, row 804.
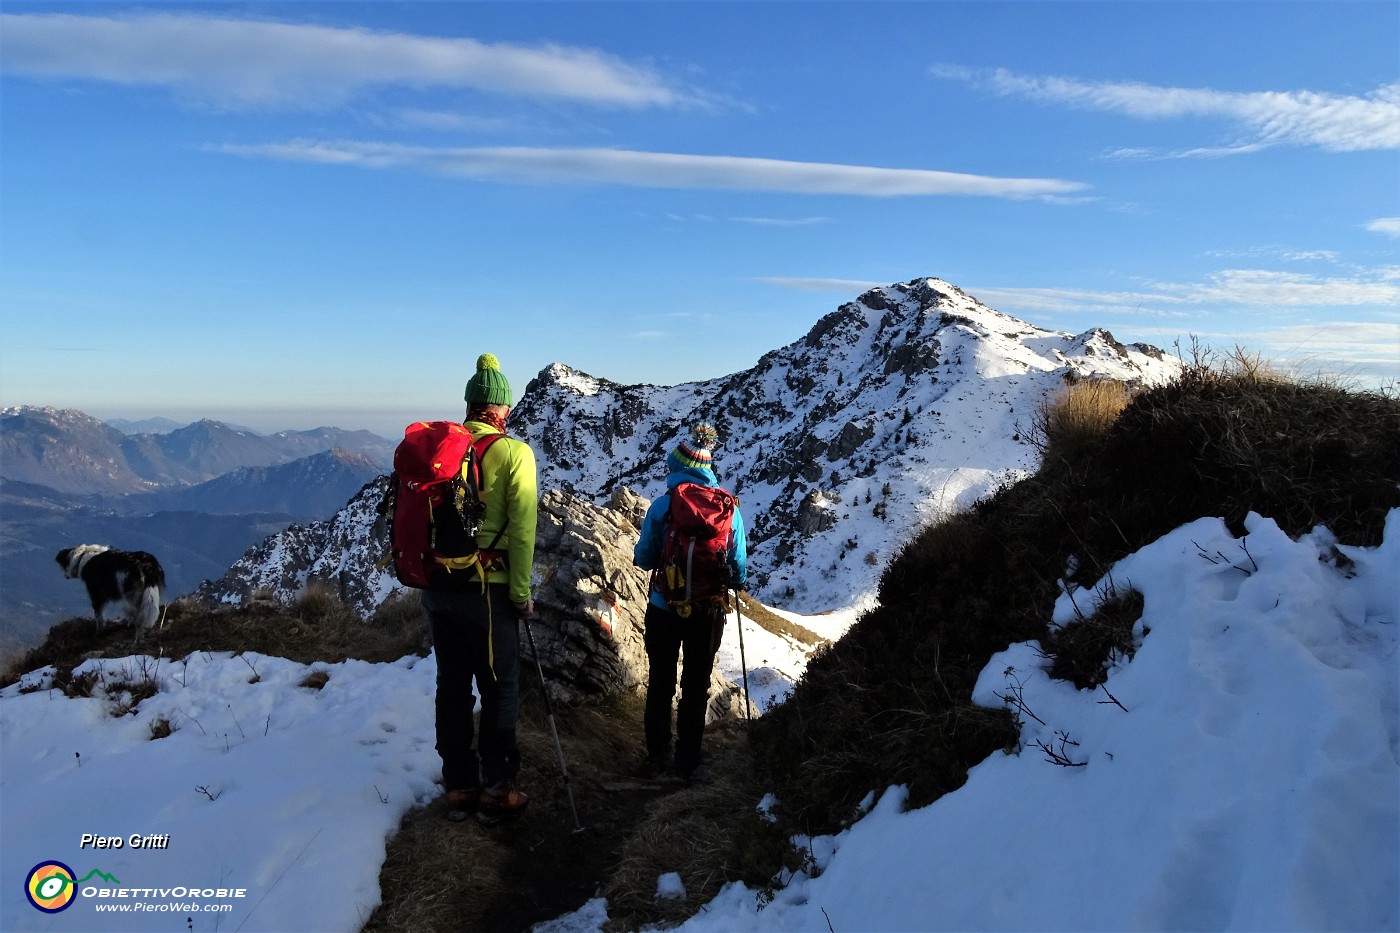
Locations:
column 526, row 609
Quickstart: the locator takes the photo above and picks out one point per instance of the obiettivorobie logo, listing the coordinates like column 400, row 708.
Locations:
column 52, row 886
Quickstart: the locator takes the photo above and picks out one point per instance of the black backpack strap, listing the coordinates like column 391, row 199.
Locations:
column 480, row 447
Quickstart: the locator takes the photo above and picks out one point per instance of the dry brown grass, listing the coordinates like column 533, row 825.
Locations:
column 319, row 628
column 709, row 834
column 437, row 875
column 1071, row 423
column 1081, row 652
column 754, row 611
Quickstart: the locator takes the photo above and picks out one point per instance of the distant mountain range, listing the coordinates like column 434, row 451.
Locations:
column 197, row 497
column 910, row 401
column 70, row 451
column 311, row 487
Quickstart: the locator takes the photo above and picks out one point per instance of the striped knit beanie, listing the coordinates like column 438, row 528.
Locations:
column 489, row 385
column 698, row 451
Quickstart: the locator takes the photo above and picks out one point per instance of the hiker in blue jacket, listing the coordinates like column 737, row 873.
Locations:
column 691, row 626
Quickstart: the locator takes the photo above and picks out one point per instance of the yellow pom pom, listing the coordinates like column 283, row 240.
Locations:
column 487, row 361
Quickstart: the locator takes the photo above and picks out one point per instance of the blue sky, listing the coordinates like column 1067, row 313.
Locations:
column 285, row 215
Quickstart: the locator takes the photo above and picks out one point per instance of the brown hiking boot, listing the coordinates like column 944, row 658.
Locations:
column 500, row 801
column 462, row 803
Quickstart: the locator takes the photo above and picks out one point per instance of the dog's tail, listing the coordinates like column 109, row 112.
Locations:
column 149, row 610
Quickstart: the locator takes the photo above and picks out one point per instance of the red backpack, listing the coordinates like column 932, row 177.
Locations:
column 434, row 505
column 695, row 545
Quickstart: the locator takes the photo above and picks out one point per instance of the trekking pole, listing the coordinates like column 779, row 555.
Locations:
column 553, row 730
column 742, row 661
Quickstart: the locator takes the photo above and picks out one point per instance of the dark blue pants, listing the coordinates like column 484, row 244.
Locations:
column 476, row 636
column 668, row 637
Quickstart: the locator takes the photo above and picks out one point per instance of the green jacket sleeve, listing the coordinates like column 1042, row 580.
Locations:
column 523, row 503
column 509, row 486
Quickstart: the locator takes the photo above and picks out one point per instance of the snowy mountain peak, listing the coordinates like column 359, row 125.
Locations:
column 910, row 400
column 562, row 375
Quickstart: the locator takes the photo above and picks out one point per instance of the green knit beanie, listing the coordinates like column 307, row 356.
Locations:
column 489, row 385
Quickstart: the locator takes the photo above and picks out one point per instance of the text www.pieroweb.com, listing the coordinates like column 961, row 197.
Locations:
column 141, row 908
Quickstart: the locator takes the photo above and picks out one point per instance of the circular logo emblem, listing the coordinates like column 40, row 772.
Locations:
column 50, row 887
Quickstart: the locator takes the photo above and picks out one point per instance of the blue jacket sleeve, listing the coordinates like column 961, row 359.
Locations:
column 739, row 553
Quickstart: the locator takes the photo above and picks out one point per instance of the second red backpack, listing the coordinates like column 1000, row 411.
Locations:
column 695, row 546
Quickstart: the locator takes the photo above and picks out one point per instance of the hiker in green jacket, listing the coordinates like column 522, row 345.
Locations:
column 476, row 627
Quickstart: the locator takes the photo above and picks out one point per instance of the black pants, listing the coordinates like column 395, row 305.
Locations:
column 476, row 635
column 667, row 636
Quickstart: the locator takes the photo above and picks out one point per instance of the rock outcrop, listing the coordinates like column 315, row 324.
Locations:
column 590, row 603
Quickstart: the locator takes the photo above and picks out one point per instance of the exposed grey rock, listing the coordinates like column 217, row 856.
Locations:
column 816, row 513
column 591, row 601
column 852, row 435
column 632, row 506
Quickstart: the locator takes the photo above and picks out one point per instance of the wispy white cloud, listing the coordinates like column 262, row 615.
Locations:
column 1312, row 255
column 1073, row 300
column 1261, row 288
column 1367, row 352
column 1278, row 253
column 1199, row 152
column 1358, row 341
column 262, row 63
column 782, row 221
column 1231, row 288
column 1390, row 226
column 656, row 170
column 839, row 286
column 1333, row 122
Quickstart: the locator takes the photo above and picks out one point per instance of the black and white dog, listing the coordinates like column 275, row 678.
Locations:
column 132, row 577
